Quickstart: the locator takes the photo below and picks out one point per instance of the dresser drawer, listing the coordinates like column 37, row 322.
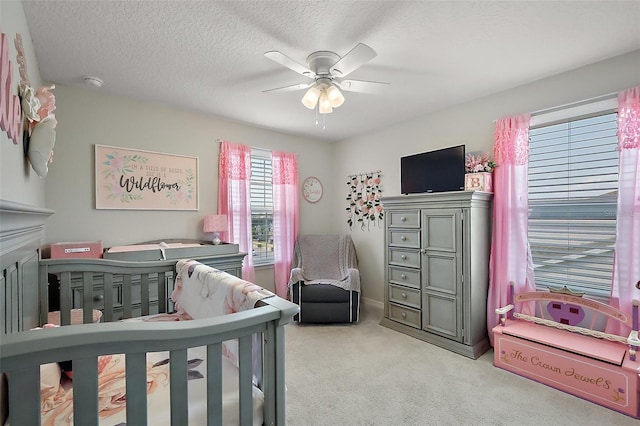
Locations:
column 403, row 219
column 404, row 296
column 404, row 315
column 404, row 257
column 404, row 238
column 405, row 277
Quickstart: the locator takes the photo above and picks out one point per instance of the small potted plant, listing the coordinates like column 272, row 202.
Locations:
column 478, row 169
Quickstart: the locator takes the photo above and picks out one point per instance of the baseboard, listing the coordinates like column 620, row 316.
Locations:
column 371, row 303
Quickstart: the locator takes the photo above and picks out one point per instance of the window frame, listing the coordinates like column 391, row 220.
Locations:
column 264, row 156
column 577, row 111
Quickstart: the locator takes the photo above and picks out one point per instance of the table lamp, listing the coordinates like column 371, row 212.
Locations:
column 215, row 223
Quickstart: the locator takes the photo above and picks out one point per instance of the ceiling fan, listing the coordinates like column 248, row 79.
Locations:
column 328, row 69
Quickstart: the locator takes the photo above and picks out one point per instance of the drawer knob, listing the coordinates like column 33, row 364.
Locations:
column 403, row 257
column 404, row 295
column 403, row 238
column 403, row 219
column 403, row 276
column 404, row 315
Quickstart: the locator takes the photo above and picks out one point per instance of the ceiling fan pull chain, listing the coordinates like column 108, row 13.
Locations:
column 317, row 108
column 324, row 121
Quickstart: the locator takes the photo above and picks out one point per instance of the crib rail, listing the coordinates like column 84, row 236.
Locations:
column 99, row 280
column 21, row 355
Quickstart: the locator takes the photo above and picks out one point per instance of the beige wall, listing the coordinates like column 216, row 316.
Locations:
column 87, row 117
column 18, row 182
column 470, row 124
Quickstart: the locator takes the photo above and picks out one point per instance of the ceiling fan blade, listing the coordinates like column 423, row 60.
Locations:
column 289, row 63
column 361, row 86
column 353, row 60
column 288, row 88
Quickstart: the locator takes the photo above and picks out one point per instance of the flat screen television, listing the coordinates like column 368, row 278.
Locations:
column 434, row 171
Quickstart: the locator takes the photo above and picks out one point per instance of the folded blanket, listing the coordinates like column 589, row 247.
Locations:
column 326, row 259
column 206, row 292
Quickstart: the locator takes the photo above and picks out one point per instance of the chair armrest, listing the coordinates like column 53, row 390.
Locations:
column 634, row 344
column 295, row 276
column 353, row 273
column 503, row 310
column 354, row 277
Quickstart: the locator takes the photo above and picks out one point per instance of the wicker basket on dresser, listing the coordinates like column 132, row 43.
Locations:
column 436, row 268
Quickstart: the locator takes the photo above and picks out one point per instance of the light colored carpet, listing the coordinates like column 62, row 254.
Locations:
column 366, row 374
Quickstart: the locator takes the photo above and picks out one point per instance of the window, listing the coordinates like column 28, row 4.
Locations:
column 573, row 180
column 261, row 207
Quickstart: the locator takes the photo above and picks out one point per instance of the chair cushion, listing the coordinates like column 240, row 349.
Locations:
column 323, row 293
column 325, row 303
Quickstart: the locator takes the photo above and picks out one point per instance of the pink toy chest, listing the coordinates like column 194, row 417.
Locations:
column 594, row 369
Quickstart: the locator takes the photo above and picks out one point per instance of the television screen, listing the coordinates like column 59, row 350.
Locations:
column 434, row 171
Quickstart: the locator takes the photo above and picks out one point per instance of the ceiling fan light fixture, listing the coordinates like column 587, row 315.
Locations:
column 310, row 99
column 335, row 96
column 324, row 106
column 328, row 70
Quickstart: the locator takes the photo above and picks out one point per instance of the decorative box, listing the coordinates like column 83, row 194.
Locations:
column 81, row 249
column 478, row 182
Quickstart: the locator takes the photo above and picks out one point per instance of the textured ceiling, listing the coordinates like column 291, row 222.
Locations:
column 208, row 56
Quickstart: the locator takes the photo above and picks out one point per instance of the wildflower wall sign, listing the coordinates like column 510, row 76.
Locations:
column 145, row 180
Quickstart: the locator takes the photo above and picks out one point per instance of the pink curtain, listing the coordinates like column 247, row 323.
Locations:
column 234, row 200
column 510, row 253
column 626, row 268
column 285, row 217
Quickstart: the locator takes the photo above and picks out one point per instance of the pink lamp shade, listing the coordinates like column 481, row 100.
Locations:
column 215, row 223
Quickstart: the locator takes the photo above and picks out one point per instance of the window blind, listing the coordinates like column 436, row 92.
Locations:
column 262, row 209
column 573, row 180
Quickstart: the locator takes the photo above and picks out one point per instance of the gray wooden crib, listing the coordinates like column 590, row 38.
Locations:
column 129, row 289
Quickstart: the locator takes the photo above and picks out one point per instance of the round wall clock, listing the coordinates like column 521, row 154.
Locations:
column 312, row 189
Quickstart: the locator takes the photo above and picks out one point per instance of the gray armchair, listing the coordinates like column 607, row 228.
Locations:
column 325, row 280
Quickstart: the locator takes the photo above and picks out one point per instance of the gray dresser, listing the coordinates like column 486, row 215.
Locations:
column 437, row 250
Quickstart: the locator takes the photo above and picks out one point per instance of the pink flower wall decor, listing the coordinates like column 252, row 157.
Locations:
column 47, row 101
column 365, row 207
